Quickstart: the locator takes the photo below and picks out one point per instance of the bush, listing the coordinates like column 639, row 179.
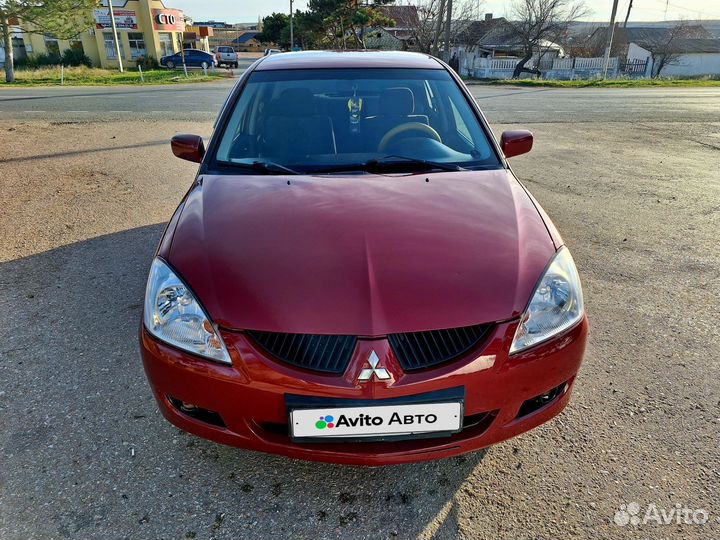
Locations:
column 148, row 62
column 41, row 60
column 70, row 57
column 75, row 57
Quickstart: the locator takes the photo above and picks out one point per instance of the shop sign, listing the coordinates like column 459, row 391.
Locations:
column 168, row 20
column 124, row 19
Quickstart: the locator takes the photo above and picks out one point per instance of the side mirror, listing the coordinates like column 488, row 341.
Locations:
column 189, row 147
column 514, row 143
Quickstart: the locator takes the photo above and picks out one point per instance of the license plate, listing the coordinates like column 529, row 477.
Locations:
column 376, row 421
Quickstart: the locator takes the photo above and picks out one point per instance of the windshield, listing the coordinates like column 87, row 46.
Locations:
column 336, row 119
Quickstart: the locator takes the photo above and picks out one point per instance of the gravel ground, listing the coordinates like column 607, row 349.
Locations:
column 85, row 453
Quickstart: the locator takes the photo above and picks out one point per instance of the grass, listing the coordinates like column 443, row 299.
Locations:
column 607, row 83
column 85, row 76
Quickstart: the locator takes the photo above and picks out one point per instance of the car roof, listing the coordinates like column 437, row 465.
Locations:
column 348, row 59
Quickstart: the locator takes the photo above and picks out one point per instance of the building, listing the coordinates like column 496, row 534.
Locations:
column 18, row 43
column 236, row 37
column 676, row 49
column 497, row 38
column 400, row 36
column 213, row 24
column 650, row 36
column 144, row 27
column 247, row 42
column 684, row 57
column 385, row 40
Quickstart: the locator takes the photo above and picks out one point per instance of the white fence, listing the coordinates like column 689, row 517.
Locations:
column 471, row 65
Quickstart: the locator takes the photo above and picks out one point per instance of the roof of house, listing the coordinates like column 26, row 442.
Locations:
column 244, row 38
column 689, row 46
column 489, row 33
column 497, row 34
column 404, row 16
column 642, row 35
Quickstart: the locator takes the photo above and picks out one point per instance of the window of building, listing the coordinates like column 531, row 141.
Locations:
column 52, row 46
column 110, row 46
column 137, row 44
column 166, row 44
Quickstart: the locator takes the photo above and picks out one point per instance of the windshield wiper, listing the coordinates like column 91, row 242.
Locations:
column 390, row 161
column 393, row 161
column 265, row 167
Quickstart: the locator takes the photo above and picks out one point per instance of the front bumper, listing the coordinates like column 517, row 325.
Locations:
column 250, row 395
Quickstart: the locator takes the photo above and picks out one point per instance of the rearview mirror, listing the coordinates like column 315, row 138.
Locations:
column 189, row 147
column 514, row 143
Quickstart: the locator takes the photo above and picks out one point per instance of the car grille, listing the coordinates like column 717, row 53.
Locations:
column 421, row 350
column 327, row 354
column 332, row 354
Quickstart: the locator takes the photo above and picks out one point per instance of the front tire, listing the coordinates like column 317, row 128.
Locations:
column 170, row 64
column 204, row 65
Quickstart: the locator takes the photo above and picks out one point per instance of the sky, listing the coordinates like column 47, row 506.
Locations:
column 643, row 10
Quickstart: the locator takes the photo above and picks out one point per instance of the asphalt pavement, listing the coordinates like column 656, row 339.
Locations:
column 87, row 182
column 501, row 104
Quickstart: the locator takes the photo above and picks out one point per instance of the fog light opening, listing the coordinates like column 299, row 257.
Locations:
column 188, row 408
column 538, row 402
column 197, row 413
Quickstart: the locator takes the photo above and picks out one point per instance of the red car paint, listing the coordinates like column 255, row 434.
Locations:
column 298, row 254
column 369, row 258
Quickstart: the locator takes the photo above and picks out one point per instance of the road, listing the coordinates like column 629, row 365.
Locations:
column 501, row 104
column 631, row 179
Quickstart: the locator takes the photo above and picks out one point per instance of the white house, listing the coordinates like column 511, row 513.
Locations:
column 693, row 57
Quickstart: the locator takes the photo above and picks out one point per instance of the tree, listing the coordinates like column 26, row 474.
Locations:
column 273, row 27
column 663, row 47
column 539, row 22
column 585, row 43
column 345, row 22
column 61, row 18
column 340, row 24
column 433, row 22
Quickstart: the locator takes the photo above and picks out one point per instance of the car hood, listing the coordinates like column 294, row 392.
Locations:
column 360, row 254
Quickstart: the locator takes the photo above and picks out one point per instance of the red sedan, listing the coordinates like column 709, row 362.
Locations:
column 356, row 275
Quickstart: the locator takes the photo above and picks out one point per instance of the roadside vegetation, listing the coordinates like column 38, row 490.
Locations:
column 600, row 83
column 87, row 76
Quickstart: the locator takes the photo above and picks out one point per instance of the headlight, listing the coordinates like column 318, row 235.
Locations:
column 556, row 305
column 173, row 315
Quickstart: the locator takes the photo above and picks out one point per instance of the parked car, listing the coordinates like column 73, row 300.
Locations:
column 356, row 275
column 268, row 52
column 193, row 58
column 226, row 56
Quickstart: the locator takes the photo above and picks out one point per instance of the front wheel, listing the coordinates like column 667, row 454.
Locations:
column 170, row 64
column 204, row 65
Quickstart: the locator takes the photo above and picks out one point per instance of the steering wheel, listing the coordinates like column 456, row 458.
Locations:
column 407, row 126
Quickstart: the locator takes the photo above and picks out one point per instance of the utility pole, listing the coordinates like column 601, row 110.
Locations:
column 292, row 29
column 611, row 33
column 628, row 14
column 115, row 35
column 447, row 30
column 438, row 28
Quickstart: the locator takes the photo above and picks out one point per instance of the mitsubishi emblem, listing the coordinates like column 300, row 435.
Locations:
column 367, row 373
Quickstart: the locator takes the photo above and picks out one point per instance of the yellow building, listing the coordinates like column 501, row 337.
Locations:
column 144, row 27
